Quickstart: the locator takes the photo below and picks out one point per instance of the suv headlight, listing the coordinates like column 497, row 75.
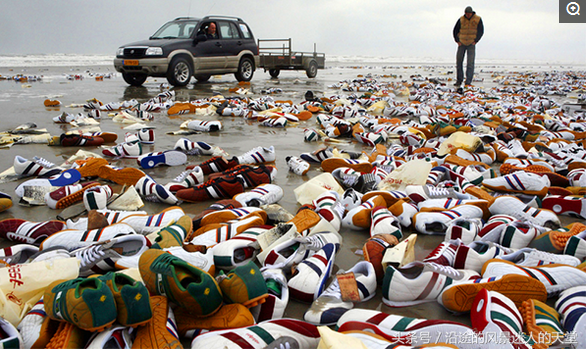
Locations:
column 154, row 51
column 120, row 51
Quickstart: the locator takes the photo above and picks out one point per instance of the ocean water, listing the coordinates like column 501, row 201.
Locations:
column 71, row 60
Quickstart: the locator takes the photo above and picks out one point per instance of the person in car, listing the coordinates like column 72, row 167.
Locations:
column 211, row 31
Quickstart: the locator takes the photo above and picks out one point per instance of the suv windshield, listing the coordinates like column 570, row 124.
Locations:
column 176, row 30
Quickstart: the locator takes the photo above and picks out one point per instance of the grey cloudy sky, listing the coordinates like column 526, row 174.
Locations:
column 514, row 30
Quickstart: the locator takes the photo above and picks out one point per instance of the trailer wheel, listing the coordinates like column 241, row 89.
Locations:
column 274, row 73
column 312, row 69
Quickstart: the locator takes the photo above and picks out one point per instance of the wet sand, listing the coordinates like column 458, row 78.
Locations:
column 20, row 103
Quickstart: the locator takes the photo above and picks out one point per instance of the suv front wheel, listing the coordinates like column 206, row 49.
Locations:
column 245, row 71
column 134, row 79
column 179, row 72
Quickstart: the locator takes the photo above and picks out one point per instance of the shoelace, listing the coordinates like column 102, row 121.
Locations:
column 182, row 176
column 334, row 290
column 89, row 256
column 445, row 270
column 43, row 162
column 434, row 191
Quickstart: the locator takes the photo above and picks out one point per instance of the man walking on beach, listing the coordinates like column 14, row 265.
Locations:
column 467, row 32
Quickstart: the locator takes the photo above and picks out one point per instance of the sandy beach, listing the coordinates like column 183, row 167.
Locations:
column 22, row 102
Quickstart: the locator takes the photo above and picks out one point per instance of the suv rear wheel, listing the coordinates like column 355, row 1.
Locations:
column 245, row 71
column 179, row 72
column 134, row 79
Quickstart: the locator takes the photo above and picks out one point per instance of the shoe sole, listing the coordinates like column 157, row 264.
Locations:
column 553, row 241
column 73, row 198
column 255, row 301
column 91, row 168
column 66, row 177
column 171, row 158
column 517, row 288
column 528, row 312
column 562, row 206
column 67, row 336
column 125, row 176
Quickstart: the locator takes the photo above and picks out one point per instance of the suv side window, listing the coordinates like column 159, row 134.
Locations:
column 245, row 30
column 228, row 30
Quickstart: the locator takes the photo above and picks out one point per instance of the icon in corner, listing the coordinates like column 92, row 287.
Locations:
column 572, row 11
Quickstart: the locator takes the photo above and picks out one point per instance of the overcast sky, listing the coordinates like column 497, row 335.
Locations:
column 514, row 30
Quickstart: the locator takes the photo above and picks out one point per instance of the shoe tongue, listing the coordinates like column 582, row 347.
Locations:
column 194, row 248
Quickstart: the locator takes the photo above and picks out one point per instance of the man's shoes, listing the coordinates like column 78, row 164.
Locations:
column 186, row 179
column 147, row 187
column 258, row 155
column 216, row 164
column 245, row 285
column 86, row 303
column 310, row 276
column 167, row 158
column 182, row 283
column 216, row 188
column 193, row 148
column 20, row 230
column 130, row 150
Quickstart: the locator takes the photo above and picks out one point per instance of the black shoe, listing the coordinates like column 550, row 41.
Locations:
column 457, row 84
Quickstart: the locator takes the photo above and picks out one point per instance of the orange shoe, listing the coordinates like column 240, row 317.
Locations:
column 68, row 336
column 90, row 167
column 228, row 316
column 244, row 285
column 124, row 176
column 160, row 332
column 305, row 219
column 52, row 103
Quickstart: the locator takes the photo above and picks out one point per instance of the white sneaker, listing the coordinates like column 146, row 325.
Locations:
column 357, row 284
column 186, row 179
column 510, row 205
column 531, row 257
column 74, row 239
column 438, row 222
column 258, row 155
column 263, row 194
column 297, row 165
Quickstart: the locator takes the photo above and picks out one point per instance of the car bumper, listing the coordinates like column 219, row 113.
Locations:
column 149, row 66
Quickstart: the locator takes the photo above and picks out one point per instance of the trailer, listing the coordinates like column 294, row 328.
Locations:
column 276, row 55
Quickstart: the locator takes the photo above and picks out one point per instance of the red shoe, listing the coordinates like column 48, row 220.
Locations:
column 216, row 188
column 80, row 141
column 15, row 229
column 215, row 164
column 254, row 176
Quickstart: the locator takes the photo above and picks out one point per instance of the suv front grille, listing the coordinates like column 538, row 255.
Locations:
column 134, row 52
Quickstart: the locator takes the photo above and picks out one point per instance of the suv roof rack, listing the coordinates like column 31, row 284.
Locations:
column 223, row 17
column 181, row 18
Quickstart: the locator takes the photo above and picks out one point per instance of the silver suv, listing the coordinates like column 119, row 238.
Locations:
column 187, row 47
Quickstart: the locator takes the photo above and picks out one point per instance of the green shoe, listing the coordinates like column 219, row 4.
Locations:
column 86, row 303
column 131, row 297
column 244, row 285
column 182, row 283
column 173, row 235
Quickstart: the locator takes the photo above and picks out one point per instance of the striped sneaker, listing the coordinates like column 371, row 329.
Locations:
column 384, row 222
column 419, row 193
column 239, row 249
column 541, row 323
column 67, row 195
column 144, row 223
column 576, row 246
column 36, row 167
column 212, row 189
column 148, row 188
column 571, row 305
column 71, row 239
column 263, row 194
column 459, row 297
column 439, row 222
column 252, row 176
column 215, row 233
column 310, row 276
column 510, row 205
column 464, row 229
column 355, row 285
column 508, row 232
column 474, row 255
column 419, row 282
column 493, row 314
column 193, row 148
column 519, row 182
column 403, row 329
column 130, row 150
column 216, row 164
column 36, row 328
column 360, row 217
column 318, row 155
column 34, row 233
column 258, row 155
column 100, row 257
column 531, row 257
column 174, row 234
column 555, row 277
column 300, row 334
column 205, row 126
column 186, row 179
column 97, row 197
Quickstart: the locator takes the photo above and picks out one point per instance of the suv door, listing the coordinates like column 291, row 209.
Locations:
column 232, row 41
column 209, row 55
